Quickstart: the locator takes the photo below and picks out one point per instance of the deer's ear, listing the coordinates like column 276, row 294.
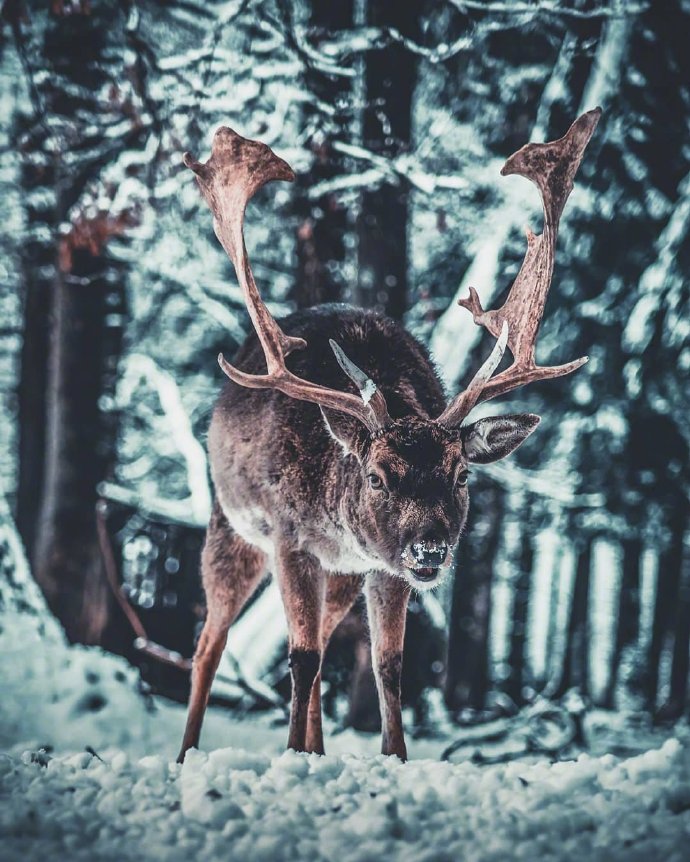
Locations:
column 493, row 438
column 346, row 431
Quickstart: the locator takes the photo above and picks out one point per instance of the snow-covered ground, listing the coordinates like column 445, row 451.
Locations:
column 87, row 773
column 238, row 804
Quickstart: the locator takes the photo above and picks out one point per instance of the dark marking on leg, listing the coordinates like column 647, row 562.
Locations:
column 341, row 593
column 304, row 664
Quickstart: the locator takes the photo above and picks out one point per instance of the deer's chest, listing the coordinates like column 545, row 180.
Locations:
column 339, row 551
column 332, row 544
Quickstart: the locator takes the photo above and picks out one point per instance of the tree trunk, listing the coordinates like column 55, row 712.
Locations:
column 467, row 678
column 668, row 582
column 323, row 221
column 80, row 441
column 73, row 306
column 627, row 621
column 518, row 634
column 552, row 669
column 576, row 659
column 382, row 225
column 678, row 692
column 38, row 261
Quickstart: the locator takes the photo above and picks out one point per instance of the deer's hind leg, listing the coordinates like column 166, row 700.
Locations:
column 231, row 569
column 341, row 594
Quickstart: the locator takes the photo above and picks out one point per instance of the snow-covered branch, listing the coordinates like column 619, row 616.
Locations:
column 359, row 40
column 392, row 170
column 455, row 332
column 550, row 7
column 140, row 367
column 655, row 278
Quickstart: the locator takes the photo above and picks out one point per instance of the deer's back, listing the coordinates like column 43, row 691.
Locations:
column 272, row 457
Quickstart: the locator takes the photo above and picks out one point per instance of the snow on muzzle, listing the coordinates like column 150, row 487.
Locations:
column 426, row 558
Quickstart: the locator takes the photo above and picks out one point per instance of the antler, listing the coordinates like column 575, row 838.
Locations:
column 237, row 169
column 552, row 168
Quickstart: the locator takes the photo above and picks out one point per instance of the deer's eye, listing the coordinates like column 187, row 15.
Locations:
column 375, row 482
column 462, row 478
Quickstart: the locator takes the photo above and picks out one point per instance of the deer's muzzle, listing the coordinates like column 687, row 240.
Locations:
column 425, row 557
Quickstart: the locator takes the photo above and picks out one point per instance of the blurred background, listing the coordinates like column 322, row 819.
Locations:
column 573, row 584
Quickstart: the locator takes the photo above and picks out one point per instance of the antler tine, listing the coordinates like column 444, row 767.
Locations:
column 468, row 399
column 370, row 394
column 237, row 169
column 552, row 168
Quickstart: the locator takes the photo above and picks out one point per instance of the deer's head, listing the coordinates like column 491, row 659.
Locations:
column 412, row 479
column 412, row 485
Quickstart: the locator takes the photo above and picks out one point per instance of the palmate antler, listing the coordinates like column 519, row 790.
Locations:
column 237, row 169
column 552, row 168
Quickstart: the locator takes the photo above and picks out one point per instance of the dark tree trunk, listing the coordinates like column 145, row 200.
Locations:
column 382, row 228
column 72, row 326
column 31, row 402
column 576, row 659
column 668, row 581
column 670, row 629
column 678, row 692
column 323, row 221
column 38, row 263
column 363, row 712
column 80, row 442
column 467, row 678
column 627, row 620
column 518, row 634
column 320, row 232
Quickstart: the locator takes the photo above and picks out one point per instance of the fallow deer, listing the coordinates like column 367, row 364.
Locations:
column 337, row 462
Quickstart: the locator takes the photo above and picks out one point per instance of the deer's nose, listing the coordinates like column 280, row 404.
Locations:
column 430, row 551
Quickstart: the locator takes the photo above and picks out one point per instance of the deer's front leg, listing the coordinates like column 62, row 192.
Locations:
column 387, row 598
column 341, row 594
column 302, row 586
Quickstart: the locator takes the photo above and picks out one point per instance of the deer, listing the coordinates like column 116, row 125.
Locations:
column 337, row 461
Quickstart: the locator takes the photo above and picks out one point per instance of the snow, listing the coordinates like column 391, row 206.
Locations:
column 252, row 806
column 649, row 576
column 456, row 326
column 606, row 71
column 369, row 391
